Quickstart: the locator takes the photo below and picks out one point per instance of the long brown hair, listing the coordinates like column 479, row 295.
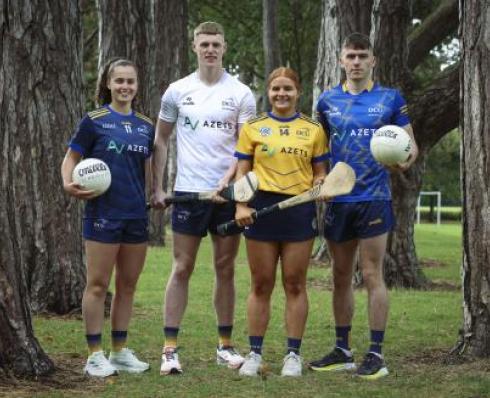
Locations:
column 102, row 93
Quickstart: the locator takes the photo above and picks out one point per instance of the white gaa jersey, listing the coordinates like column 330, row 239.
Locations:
column 206, row 120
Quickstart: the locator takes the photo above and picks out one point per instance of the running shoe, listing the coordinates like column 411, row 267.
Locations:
column 227, row 355
column 170, row 362
column 292, row 365
column 98, row 365
column 252, row 364
column 126, row 361
column 372, row 367
column 337, row 359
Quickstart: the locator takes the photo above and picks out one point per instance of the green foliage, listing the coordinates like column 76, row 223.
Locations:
column 423, row 325
column 298, row 28
column 442, row 169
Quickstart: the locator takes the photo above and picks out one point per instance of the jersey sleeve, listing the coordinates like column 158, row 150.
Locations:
column 84, row 137
column 400, row 116
column 245, row 146
column 169, row 110
column 320, row 150
column 247, row 107
column 320, row 116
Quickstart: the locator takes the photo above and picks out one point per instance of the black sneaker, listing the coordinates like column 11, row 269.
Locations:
column 373, row 367
column 335, row 360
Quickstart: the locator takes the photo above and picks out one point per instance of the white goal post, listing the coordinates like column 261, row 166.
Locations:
column 438, row 208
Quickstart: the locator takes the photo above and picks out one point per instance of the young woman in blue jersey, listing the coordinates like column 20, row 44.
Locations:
column 287, row 152
column 115, row 224
column 360, row 222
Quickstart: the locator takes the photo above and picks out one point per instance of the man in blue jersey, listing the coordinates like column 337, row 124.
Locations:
column 350, row 113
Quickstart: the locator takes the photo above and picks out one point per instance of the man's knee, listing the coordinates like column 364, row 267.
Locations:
column 294, row 287
column 182, row 269
column 342, row 278
column 262, row 287
column 372, row 277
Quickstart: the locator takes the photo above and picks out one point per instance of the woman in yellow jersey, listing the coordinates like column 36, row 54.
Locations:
column 287, row 151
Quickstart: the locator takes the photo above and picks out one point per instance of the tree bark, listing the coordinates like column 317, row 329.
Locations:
column 435, row 28
column 340, row 18
column 270, row 40
column 41, row 253
column 127, row 29
column 153, row 34
column 42, row 73
column 475, row 168
column 172, row 62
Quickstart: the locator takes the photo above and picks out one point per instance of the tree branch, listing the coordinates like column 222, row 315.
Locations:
column 439, row 24
column 435, row 110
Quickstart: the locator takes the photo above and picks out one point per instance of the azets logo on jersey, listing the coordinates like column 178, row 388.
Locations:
column 188, row 101
column 270, row 151
column 361, row 132
column 119, row 148
column 189, row 123
column 108, row 126
column 289, row 150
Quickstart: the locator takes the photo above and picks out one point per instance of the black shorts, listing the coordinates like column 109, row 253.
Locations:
column 358, row 220
column 116, row 231
column 295, row 224
column 197, row 218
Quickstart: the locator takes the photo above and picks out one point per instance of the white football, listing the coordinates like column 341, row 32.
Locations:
column 92, row 175
column 390, row 145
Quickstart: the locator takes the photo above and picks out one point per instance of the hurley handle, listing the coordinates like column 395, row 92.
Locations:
column 225, row 227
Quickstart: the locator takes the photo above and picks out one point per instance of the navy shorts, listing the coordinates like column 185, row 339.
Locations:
column 197, row 218
column 295, row 224
column 116, row 231
column 358, row 220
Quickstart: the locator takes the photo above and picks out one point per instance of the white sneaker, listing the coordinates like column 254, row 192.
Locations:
column 292, row 365
column 98, row 365
column 229, row 356
column 126, row 361
column 251, row 366
column 170, row 362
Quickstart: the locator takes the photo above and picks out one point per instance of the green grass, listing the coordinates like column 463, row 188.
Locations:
column 422, row 327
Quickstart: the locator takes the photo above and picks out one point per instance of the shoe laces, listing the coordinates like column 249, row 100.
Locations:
column 169, row 354
column 292, row 357
column 229, row 349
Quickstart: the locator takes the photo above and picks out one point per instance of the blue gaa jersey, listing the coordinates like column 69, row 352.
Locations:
column 124, row 142
column 350, row 121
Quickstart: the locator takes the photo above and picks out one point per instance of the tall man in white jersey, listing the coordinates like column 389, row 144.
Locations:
column 207, row 109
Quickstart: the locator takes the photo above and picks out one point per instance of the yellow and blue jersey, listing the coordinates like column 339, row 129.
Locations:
column 282, row 151
column 350, row 121
column 124, row 142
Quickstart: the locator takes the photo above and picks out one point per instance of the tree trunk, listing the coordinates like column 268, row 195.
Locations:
column 475, row 168
column 391, row 20
column 153, row 34
column 340, row 18
column 127, row 29
column 270, row 40
column 41, row 253
column 42, row 73
column 172, row 63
